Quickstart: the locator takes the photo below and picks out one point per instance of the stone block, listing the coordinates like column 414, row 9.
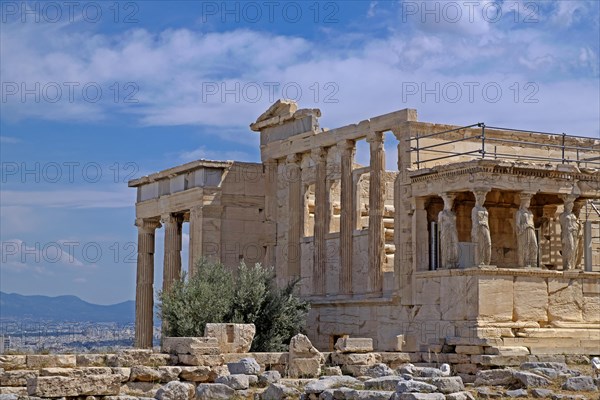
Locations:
column 90, row 360
column 530, row 299
column 495, row 377
column 60, row 386
column 144, row 374
column 354, row 345
column 247, row 366
column 176, row 391
column 191, row 345
column 232, row 338
column 35, row 361
column 457, row 358
column 12, row 392
column 467, row 368
column 212, row 361
column 462, row 349
column 196, row 374
column 565, row 301
column 122, row 372
column 394, row 359
column 495, row 299
column 16, row 377
column 498, row 361
column 140, row 389
column 235, row 381
column 9, row 362
column 270, row 358
column 507, row 350
column 275, row 391
column 580, row 384
column 304, row 368
column 75, row 372
column 448, row 384
column 355, row 370
column 355, row 358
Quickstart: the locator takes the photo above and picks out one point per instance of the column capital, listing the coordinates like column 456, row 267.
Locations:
column 375, row 138
column 293, row 158
column 270, row 162
column 149, row 225
column 170, row 218
column 319, row 154
column 480, row 194
column 346, row 145
column 448, row 198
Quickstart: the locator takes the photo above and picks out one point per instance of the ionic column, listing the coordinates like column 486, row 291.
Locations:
column 271, row 211
column 376, row 208
column 527, row 245
column 319, row 156
column 569, row 232
column 294, row 214
column 144, row 290
column 578, row 205
column 172, row 250
column 195, row 241
column 480, row 229
column 347, row 223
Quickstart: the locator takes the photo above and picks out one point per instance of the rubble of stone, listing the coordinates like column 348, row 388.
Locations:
column 339, row 375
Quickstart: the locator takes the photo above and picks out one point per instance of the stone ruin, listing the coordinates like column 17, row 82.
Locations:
column 481, row 236
column 220, row 367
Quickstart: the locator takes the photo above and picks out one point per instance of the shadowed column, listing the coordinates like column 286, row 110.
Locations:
column 376, row 205
column 270, row 211
column 347, row 215
column 172, row 255
column 195, row 241
column 319, row 156
column 294, row 214
column 144, row 293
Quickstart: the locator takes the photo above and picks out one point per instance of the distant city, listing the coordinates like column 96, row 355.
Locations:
column 64, row 324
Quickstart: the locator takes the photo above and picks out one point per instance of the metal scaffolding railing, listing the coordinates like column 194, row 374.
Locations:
column 488, row 147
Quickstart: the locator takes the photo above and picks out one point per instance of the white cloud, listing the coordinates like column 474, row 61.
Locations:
column 205, row 153
column 9, row 140
column 175, row 70
column 116, row 198
column 17, row 251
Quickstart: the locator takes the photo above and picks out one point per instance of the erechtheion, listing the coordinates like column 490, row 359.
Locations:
column 479, row 233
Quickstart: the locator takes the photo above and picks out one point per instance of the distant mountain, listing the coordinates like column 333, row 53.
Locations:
column 63, row 309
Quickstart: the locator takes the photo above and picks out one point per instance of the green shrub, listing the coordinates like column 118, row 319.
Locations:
column 247, row 295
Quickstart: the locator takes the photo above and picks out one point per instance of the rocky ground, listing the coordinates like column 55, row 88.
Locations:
column 246, row 380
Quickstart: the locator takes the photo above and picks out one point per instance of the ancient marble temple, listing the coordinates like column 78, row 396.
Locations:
column 479, row 233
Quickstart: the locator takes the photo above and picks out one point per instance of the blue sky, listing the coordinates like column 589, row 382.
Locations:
column 102, row 92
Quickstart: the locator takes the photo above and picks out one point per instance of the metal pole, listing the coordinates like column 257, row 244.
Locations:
column 563, row 147
column 482, row 140
column 418, row 158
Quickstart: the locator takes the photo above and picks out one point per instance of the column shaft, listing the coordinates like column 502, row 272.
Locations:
column 172, row 250
column 376, row 208
column 195, row 241
column 294, row 214
column 144, row 293
column 347, row 216
column 321, row 221
column 271, row 212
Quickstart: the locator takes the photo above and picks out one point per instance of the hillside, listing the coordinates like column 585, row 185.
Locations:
column 63, row 309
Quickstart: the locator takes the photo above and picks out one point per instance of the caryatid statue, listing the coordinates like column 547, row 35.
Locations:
column 480, row 231
column 577, row 206
column 448, row 233
column 569, row 226
column 527, row 245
